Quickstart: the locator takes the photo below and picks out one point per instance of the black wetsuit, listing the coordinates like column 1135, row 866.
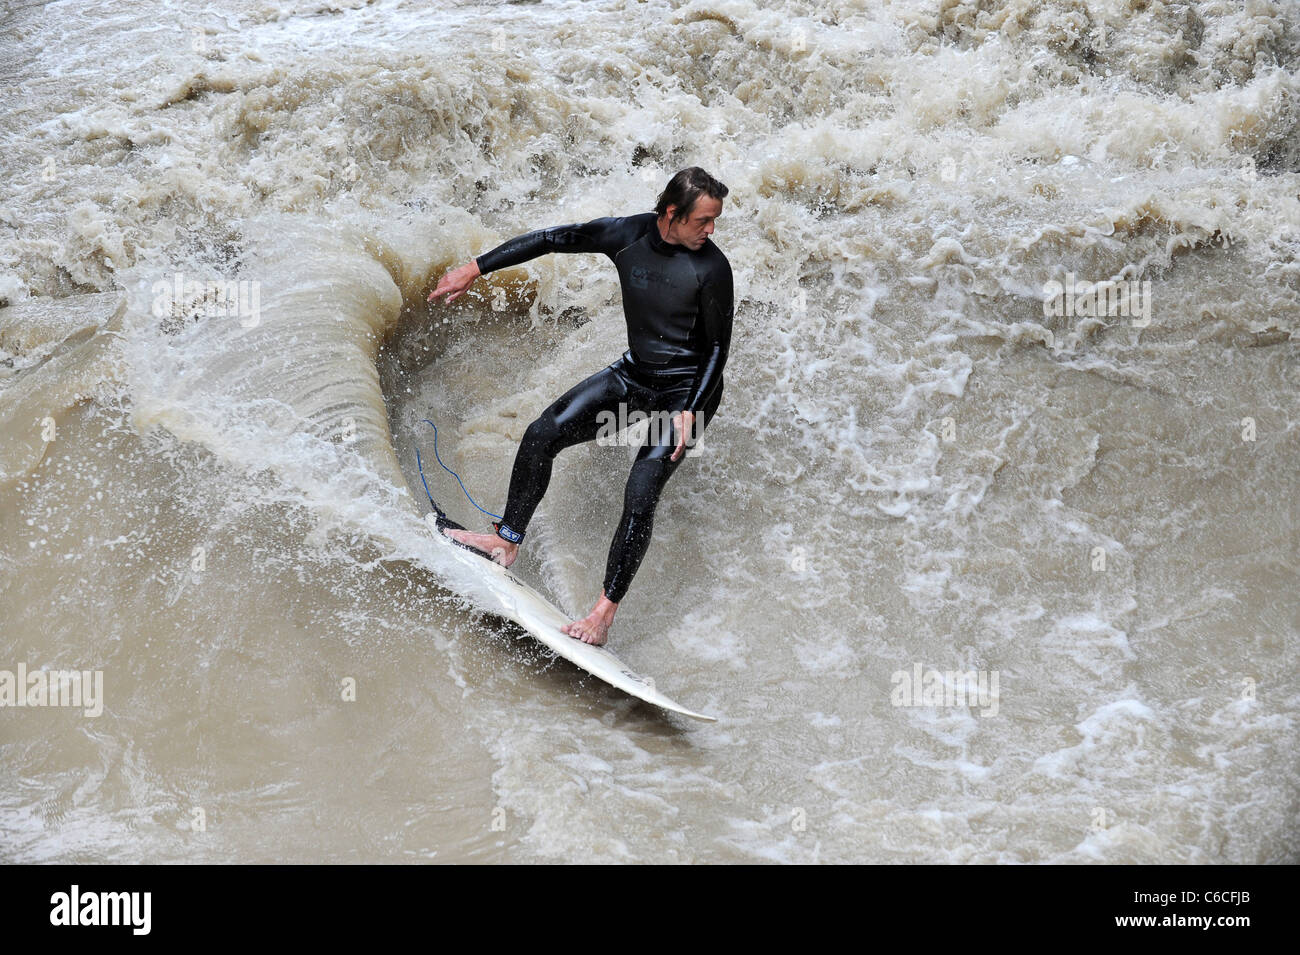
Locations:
column 678, row 304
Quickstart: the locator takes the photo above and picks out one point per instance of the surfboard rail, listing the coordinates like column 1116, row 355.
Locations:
column 523, row 605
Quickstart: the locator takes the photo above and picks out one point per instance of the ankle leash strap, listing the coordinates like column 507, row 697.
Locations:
column 506, row 532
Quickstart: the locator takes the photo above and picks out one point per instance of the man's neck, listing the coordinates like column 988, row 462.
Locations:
column 663, row 229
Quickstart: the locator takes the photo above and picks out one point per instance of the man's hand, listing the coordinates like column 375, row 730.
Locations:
column 455, row 283
column 685, row 421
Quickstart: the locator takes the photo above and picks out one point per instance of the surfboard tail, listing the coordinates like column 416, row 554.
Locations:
column 443, row 521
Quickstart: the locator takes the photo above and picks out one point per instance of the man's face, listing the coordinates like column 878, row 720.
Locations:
column 698, row 226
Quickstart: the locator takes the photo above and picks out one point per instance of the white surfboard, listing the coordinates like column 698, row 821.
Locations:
column 525, row 606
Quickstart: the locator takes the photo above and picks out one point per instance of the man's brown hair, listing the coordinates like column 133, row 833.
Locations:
column 685, row 188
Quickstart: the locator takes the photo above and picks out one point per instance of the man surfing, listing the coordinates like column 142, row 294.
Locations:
column 678, row 303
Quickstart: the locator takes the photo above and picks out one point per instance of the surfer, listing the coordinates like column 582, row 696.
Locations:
column 678, row 303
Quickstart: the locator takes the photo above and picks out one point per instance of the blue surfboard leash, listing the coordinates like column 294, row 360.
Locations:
column 420, row 464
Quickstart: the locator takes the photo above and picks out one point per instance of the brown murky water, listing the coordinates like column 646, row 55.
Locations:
column 917, row 467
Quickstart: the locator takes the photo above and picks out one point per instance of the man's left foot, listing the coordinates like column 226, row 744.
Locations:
column 594, row 628
column 488, row 545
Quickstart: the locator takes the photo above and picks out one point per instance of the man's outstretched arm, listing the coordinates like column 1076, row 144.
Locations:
column 598, row 235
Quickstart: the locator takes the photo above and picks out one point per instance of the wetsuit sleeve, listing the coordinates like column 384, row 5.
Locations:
column 598, row 235
column 717, row 305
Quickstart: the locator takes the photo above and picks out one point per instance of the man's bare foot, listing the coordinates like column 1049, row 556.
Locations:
column 594, row 628
column 502, row 551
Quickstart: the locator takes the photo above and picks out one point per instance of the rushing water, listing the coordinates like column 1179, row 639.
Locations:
column 924, row 462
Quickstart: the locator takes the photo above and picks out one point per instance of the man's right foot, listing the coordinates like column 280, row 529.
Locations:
column 502, row 551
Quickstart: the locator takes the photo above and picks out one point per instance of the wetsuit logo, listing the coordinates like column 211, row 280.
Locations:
column 641, row 277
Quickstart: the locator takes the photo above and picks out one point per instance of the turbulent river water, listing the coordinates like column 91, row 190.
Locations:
column 929, row 467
